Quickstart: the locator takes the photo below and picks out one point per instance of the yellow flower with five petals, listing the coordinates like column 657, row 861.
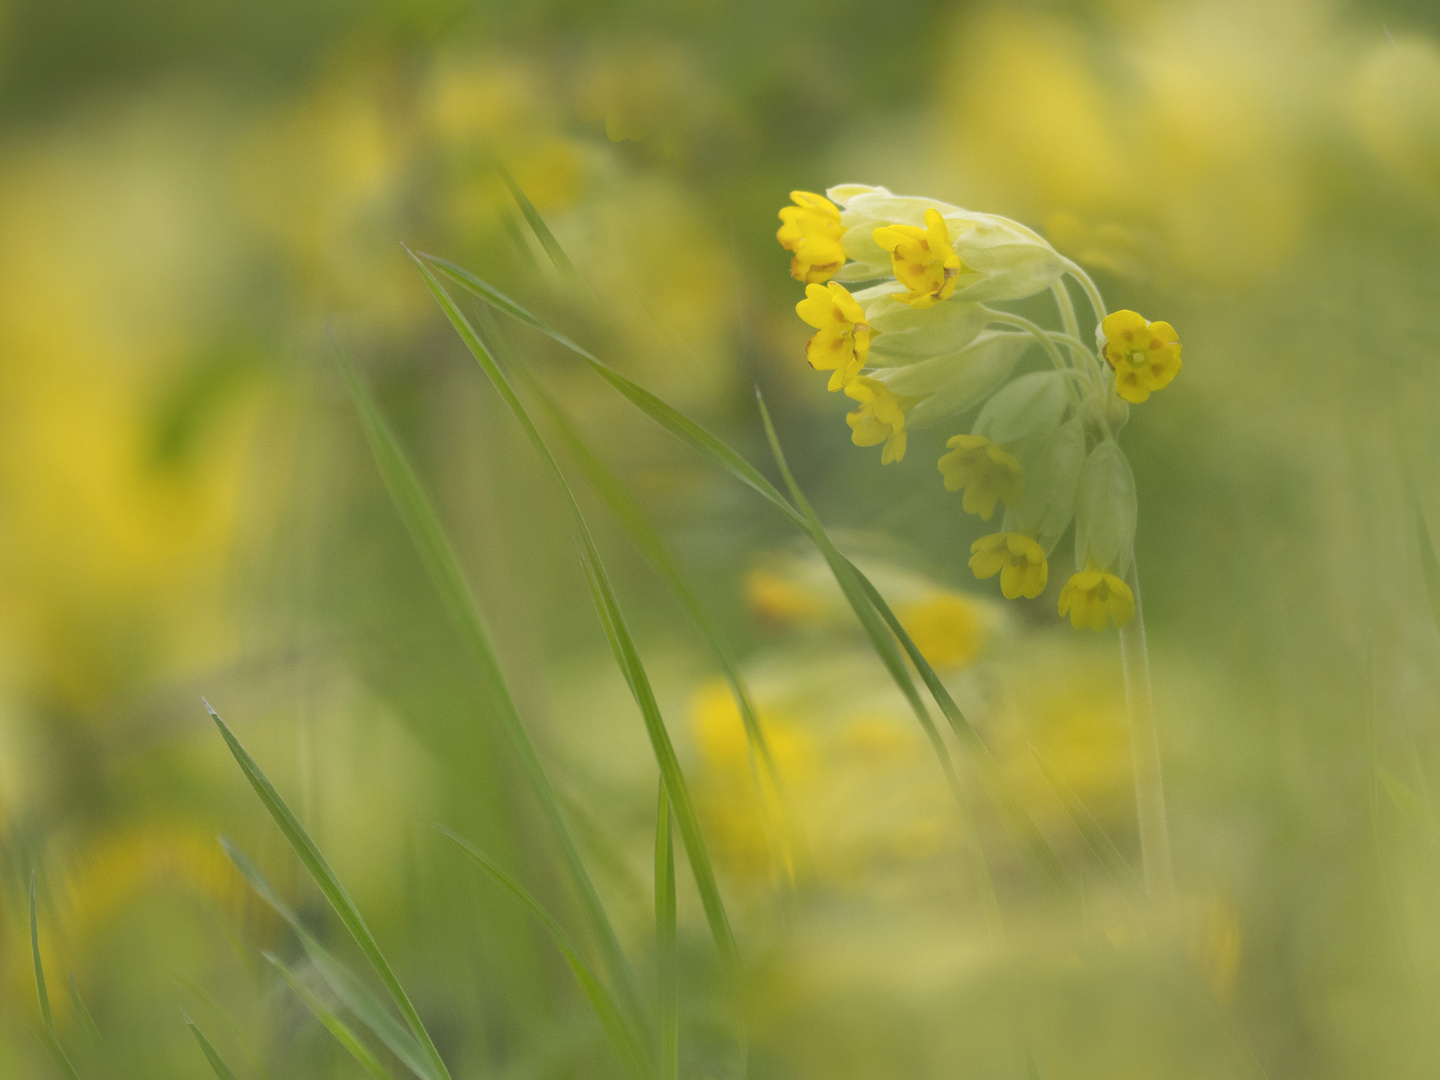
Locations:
column 1095, row 598
column 986, row 473
column 923, row 259
column 841, row 341
column 880, row 418
column 1145, row 355
column 811, row 229
column 1017, row 558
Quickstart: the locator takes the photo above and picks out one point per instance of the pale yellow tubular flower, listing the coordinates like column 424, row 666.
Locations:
column 811, row 230
column 841, row 341
column 880, row 418
column 923, row 259
column 1145, row 355
column 1096, row 598
column 1017, row 558
column 986, row 473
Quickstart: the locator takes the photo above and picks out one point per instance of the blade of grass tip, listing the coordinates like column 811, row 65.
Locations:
column 666, row 966
column 47, row 1019
column 217, row 1063
column 1429, row 565
column 82, row 1010
column 1095, row 835
column 331, row 1022
column 225, row 1018
column 440, row 561
column 626, row 655
column 600, row 1000
column 634, row 520
column 673, row 421
column 537, row 224
column 330, row 885
column 354, row 994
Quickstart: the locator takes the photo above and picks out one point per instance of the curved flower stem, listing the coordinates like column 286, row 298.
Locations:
column 1035, row 331
column 1084, row 356
column 1092, row 293
column 1145, row 752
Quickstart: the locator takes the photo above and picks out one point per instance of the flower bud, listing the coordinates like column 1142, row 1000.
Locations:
column 1013, row 261
column 1029, row 404
column 1105, row 511
column 1050, row 464
column 958, row 381
column 905, row 334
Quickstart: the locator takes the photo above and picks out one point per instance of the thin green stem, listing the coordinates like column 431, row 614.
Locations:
column 1034, row 330
column 1145, row 752
column 1092, row 293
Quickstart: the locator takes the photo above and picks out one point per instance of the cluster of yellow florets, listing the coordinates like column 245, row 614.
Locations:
column 921, row 346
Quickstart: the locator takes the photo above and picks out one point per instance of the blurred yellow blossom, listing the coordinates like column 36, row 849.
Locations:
column 986, row 473
column 924, row 261
column 1094, row 599
column 948, row 628
column 812, row 230
column 880, row 418
column 842, row 338
column 779, row 599
column 1017, row 558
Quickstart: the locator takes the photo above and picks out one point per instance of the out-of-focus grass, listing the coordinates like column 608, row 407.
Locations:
column 188, row 506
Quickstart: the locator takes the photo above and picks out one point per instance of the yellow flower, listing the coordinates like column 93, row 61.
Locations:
column 1145, row 355
column 842, row 339
column 923, row 258
column 812, row 230
column 1095, row 598
column 880, row 418
column 1017, row 558
column 985, row 472
column 948, row 629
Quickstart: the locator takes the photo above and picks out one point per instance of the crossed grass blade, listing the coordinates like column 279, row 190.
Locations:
column 331, row 1022
column 1096, row 837
column 47, row 1019
column 439, row 559
column 217, row 1063
column 334, row 891
column 1032, row 841
column 354, row 994
column 626, row 1043
column 666, row 960
column 613, row 622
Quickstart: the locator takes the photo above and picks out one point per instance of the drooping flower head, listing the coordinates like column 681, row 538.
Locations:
column 983, row 471
column 841, row 341
column 1017, row 558
column 811, row 229
column 923, row 259
column 880, row 418
column 1145, row 355
column 1095, row 598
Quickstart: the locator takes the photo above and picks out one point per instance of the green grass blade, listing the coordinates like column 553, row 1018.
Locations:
column 332, row 888
column 666, row 961
column 693, row 435
column 1429, row 565
column 1095, row 835
column 332, row 1023
column 443, row 567
column 225, row 1018
column 47, row 1019
column 631, row 1051
column 645, row 536
column 537, row 224
column 621, row 643
column 352, row 992
column 217, row 1063
column 82, row 1010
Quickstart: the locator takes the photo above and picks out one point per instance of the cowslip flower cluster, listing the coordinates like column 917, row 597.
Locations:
column 923, row 345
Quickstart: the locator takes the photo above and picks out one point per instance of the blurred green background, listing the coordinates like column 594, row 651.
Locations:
column 196, row 199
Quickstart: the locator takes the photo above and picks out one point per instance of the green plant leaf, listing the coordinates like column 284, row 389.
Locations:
column 217, row 1063
column 618, row 634
column 666, row 962
column 333, row 1024
column 332, row 888
column 47, row 1019
column 537, row 223
column 631, row 1051
column 352, row 992
column 444, row 570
